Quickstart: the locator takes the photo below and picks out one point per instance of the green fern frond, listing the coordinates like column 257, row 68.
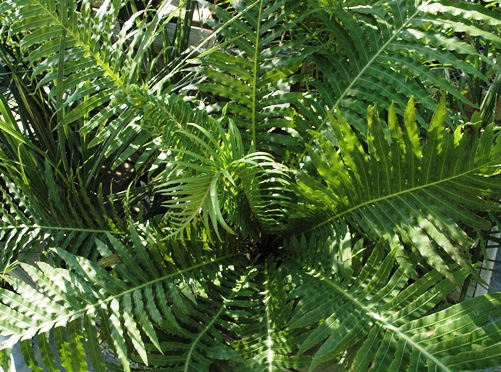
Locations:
column 265, row 186
column 26, row 234
column 384, row 54
column 78, row 53
column 145, row 301
column 210, row 170
column 251, row 82
column 211, row 257
column 189, row 306
column 398, row 185
column 14, row 242
column 391, row 330
column 51, row 37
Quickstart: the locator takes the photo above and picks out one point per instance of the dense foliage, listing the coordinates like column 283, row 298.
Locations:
column 307, row 186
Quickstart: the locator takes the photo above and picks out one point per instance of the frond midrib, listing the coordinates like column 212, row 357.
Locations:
column 239, row 285
column 400, row 193
column 255, row 69
column 269, row 323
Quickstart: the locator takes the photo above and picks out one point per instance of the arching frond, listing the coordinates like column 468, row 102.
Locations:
column 78, row 54
column 149, row 304
column 382, row 321
column 380, row 54
column 171, row 306
column 398, row 186
column 26, row 236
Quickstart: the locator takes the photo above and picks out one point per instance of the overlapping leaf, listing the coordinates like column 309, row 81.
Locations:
column 380, row 232
column 77, row 57
column 206, row 172
column 77, row 53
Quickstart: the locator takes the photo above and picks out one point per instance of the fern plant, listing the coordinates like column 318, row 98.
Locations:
column 268, row 220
